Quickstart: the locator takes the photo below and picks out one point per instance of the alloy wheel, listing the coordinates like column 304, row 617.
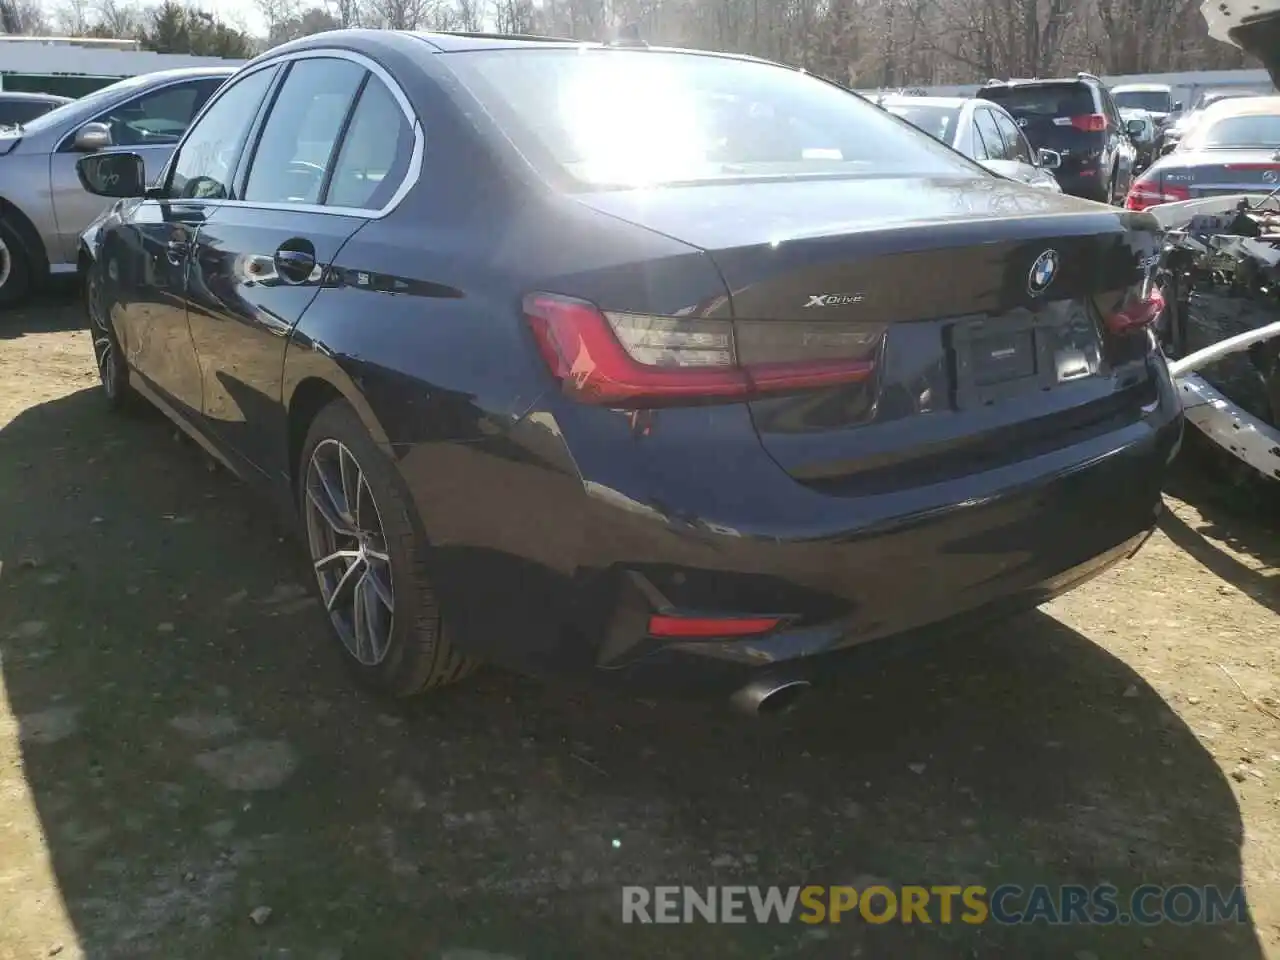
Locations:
column 6, row 262
column 104, row 344
column 349, row 551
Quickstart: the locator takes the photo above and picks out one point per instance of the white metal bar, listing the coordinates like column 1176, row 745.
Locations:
column 1233, row 429
column 1216, row 351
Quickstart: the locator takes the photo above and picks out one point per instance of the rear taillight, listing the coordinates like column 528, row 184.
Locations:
column 633, row 360
column 1152, row 191
column 1088, row 122
column 1138, row 310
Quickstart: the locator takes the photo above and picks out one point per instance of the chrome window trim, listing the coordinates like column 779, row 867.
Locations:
column 413, row 171
column 158, row 87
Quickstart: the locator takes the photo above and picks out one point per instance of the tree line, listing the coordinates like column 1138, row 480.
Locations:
column 862, row 43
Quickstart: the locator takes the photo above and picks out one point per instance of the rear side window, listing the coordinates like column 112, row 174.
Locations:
column 1043, row 100
column 375, row 153
column 302, row 131
column 627, row 118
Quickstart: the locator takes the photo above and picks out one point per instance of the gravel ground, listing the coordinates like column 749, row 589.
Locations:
column 186, row 772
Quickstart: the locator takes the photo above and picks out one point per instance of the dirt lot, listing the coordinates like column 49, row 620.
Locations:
column 179, row 746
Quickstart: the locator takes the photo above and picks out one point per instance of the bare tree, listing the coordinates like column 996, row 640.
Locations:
column 276, row 12
column 115, row 19
column 347, row 13
column 73, row 18
column 400, row 14
column 469, row 14
column 22, row 17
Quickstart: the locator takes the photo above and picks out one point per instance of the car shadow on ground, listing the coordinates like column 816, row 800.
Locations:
column 57, row 308
column 195, row 752
column 1243, row 517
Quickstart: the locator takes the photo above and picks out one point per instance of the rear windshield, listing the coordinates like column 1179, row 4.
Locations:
column 937, row 122
column 627, row 118
column 1157, row 101
column 1043, row 100
column 1238, row 132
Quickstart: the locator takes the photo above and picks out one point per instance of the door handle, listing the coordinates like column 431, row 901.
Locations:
column 175, row 251
column 295, row 260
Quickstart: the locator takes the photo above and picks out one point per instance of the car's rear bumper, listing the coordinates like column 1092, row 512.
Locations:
column 1088, row 183
column 580, row 551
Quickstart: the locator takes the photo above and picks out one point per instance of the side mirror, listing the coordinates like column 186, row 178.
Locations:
column 1048, row 159
column 113, row 175
column 1177, row 106
column 1136, row 128
column 92, row 137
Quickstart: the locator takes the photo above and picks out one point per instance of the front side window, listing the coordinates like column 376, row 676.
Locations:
column 161, row 116
column 628, row 118
column 375, row 153
column 206, row 161
column 302, row 131
column 1015, row 143
column 986, row 122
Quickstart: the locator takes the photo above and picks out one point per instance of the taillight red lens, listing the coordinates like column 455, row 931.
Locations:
column 695, row 628
column 1090, row 122
column 1152, row 192
column 1137, row 311
column 634, row 360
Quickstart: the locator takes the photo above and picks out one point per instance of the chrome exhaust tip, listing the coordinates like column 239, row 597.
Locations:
column 770, row 697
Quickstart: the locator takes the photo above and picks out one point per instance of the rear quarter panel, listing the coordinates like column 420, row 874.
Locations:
column 421, row 331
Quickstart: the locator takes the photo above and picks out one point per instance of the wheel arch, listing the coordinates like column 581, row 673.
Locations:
column 308, row 387
column 37, row 255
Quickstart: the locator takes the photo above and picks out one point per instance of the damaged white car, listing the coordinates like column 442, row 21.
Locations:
column 1221, row 282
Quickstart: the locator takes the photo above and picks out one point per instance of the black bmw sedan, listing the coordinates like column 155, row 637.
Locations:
column 658, row 366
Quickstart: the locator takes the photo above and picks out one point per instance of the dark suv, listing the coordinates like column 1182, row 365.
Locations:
column 1079, row 120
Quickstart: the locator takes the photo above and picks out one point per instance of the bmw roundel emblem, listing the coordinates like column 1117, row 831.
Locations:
column 1042, row 272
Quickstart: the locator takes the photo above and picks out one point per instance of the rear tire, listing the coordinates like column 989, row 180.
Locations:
column 15, row 266
column 370, row 562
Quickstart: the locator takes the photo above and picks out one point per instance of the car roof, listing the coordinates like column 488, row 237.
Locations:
column 177, row 73
column 410, row 42
column 1035, row 81
column 1243, row 106
column 1142, row 88
column 953, row 102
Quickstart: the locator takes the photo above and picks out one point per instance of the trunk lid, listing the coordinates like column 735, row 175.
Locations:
column 1217, row 172
column 974, row 362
